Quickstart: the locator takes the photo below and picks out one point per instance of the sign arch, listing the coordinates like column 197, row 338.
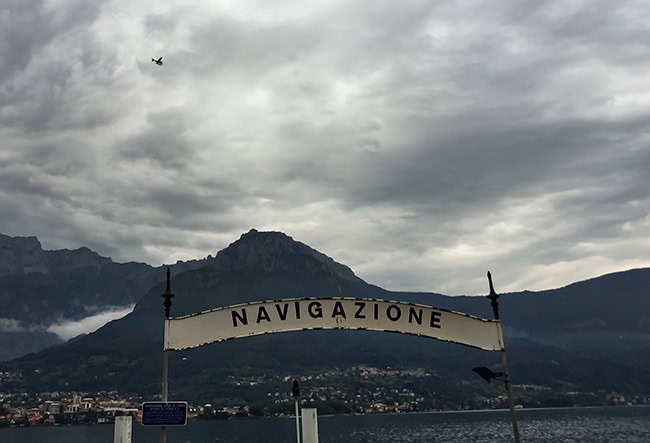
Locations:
column 297, row 314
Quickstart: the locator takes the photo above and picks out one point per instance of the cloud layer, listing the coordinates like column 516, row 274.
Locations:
column 421, row 144
column 67, row 329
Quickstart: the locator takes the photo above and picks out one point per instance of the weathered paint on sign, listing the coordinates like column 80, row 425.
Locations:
column 266, row 317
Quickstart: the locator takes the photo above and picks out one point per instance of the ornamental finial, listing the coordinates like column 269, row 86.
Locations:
column 168, row 295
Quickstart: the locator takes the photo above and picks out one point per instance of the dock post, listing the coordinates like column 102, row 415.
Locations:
column 295, row 391
column 123, row 429
column 309, row 425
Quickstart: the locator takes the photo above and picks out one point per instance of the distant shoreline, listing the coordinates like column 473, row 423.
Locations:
column 549, row 408
column 374, row 415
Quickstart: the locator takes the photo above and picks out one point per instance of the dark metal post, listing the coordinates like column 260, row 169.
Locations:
column 506, row 375
column 295, row 390
column 167, row 304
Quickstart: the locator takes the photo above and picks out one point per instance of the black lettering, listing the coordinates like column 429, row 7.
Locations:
column 415, row 315
column 317, row 312
column 282, row 314
column 241, row 317
column 397, row 315
column 435, row 319
column 376, row 311
column 338, row 310
column 362, row 306
column 297, row 310
column 262, row 314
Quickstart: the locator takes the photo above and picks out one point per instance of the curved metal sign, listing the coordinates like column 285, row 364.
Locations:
column 286, row 315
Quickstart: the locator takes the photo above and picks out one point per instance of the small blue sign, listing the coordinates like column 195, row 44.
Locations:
column 164, row 413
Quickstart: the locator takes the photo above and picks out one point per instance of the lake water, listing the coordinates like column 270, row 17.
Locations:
column 615, row 424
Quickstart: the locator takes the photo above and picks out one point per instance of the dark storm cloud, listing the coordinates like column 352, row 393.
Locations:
column 475, row 167
column 65, row 157
column 613, row 31
column 185, row 206
column 28, row 26
column 46, row 170
column 23, row 182
column 162, row 140
column 51, row 59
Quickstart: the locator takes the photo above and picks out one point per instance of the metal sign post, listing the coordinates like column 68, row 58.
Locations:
column 506, row 376
column 295, row 390
column 167, row 304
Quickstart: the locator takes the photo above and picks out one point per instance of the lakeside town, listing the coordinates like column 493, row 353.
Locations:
column 58, row 408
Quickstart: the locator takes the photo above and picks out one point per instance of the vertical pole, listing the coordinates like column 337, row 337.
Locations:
column 163, row 429
column 167, row 304
column 295, row 391
column 506, row 375
column 297, row 421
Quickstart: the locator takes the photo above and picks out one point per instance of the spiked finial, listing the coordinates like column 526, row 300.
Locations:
column 168, row 295
column 494, row 297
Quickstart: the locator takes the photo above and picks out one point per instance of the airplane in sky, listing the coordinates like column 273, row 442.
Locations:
column 159, row 62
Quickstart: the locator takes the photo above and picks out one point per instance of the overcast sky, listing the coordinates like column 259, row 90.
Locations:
column 420, row 143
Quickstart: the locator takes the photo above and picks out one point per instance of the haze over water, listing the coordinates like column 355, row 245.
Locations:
column 585, row 425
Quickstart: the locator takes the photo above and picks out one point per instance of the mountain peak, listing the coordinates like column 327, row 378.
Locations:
column 25, row 255
column 76, row 258
column 21, row 254
column 252, row 231
column 273, row 251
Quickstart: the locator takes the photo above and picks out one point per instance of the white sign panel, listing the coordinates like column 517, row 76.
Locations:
column 266, row 317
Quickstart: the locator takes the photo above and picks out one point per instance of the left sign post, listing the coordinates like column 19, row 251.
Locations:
column 164, row 413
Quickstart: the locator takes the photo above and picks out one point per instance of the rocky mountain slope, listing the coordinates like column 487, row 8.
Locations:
column 40, row 288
